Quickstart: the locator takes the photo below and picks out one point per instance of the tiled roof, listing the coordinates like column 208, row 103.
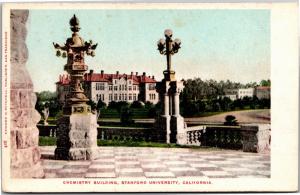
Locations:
column 101, row 77
column 64, row 79
column 263, row 87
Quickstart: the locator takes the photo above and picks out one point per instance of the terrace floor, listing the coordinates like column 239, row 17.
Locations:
column 145, row 162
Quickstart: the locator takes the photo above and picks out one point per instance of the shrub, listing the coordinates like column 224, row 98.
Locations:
column 230, row 120
column 136, row 104
column 126, row 115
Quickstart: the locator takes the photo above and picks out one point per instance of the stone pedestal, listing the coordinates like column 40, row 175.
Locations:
column 256, row 138
column 171, row 122
column 24, row 135
column 177, row 130
column 163, row 124
column 77, row 137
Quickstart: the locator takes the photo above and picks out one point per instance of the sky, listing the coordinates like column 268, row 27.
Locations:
column 216, row 44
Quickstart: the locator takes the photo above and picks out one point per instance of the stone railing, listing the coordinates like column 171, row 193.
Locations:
column 256, row 138
column 129, row 134
column 250, row 138
column 193, row 135
column 113, row 133
column 223, row 137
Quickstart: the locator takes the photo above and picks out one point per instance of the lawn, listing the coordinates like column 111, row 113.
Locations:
column 51, row 141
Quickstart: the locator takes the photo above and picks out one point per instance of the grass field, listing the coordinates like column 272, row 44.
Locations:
column 51, row 141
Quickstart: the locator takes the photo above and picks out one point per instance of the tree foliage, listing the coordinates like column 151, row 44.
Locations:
column 265, row 83
column 48, row 99
column 201, row 96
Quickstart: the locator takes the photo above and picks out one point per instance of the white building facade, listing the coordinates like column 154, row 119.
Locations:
column 114, row 87
column 260, row 92
column 246, row 92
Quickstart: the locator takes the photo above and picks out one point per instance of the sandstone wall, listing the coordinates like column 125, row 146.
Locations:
column 25, row 154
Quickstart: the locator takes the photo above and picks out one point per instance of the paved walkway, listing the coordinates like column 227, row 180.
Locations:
column 160, row 163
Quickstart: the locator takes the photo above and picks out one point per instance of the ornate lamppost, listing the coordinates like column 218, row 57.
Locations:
column 74, row 49
column 77, row 128
column 168, row 47
column 170, row 121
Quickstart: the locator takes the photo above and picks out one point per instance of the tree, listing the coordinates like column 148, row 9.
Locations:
column 265, row 83
column 149, row 105
column 46, row 95
column 92, row 104
column 99, row 106
column 225, row 103
column 113, row 105
column 48, row 99
column 136, row 104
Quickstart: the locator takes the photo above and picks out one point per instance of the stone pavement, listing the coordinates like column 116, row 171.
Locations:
column 160, row 163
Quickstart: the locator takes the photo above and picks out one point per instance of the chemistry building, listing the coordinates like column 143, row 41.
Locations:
column 113, row 87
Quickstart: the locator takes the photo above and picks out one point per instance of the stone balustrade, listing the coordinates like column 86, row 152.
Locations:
column 256, row 138
column 113, row 133
column 249, row 138
column 193, row 135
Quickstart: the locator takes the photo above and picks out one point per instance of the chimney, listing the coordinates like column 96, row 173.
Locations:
column 149, row 76
column 102, row 72
column 131, row 73
column 153, row 77
column 144, row 74
column 91, row 71
column 136, row 73
column 117, row 73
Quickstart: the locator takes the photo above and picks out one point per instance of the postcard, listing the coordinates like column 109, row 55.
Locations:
column 150, row 97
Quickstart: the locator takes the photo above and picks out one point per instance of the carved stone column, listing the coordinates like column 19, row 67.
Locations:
column 25, row 154
column 162, row 123
column 177, row 122
column 176, row 104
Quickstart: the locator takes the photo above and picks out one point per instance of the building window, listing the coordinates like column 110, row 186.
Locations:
column 130, row 97
column 134, row 97
column 129, row 88
column 115, row 97
column 134, row 88
column 99, row 86
column 120, row 87
column 110, row 87
column 120, row 97
column 110, row 97
column 129, row 82
column 116, row 88
column 152, row 96
column 125, row 97
column 151, row 87
column 125, row 87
